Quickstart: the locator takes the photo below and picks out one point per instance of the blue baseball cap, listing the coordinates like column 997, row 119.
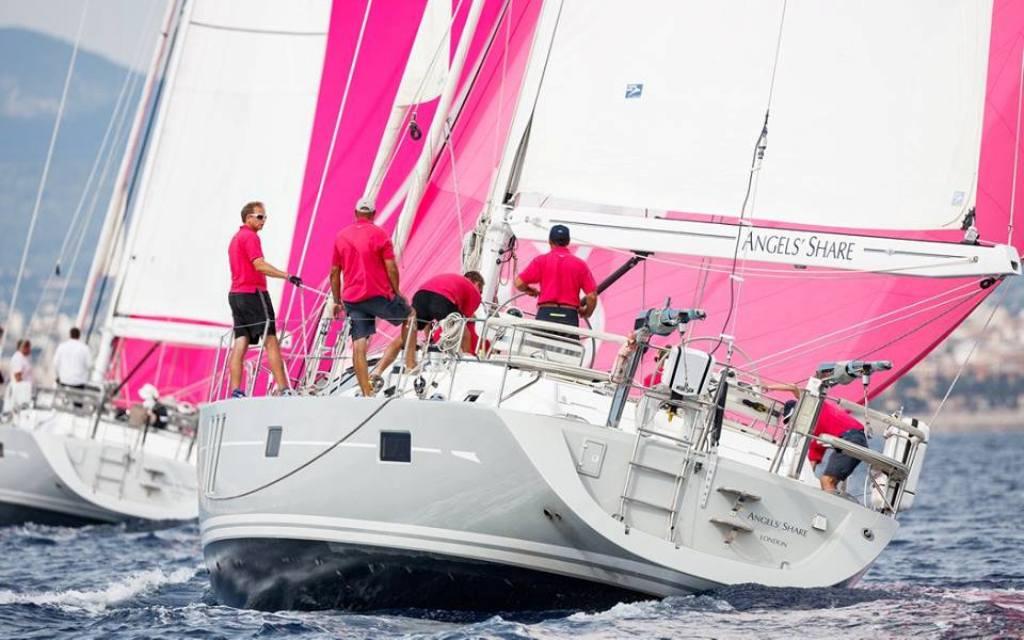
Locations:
column 559, row 234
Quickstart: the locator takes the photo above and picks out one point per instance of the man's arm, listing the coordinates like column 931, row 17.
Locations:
column 588, row 304
column 526, row 288
column 336, row 288
column 268, row 269
column 528, row 276
column 792, row 388
column 392, row 269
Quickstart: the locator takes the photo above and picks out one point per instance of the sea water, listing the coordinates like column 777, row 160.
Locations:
column 955, row 570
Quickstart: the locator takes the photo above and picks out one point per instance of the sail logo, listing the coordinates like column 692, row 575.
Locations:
column 813, row 246
column 634, row 90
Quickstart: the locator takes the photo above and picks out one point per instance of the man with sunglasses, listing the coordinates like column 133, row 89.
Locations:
column 251, row 308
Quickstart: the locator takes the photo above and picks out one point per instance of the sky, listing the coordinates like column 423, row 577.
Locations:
column 111, row 27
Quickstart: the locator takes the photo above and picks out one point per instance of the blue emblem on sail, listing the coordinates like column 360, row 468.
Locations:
column 634, row 90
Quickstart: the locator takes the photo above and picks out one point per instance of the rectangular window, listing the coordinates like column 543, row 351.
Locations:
column 273, row 442
column 395, row 446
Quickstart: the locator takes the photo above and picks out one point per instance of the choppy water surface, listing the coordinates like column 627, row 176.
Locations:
column 956, row 570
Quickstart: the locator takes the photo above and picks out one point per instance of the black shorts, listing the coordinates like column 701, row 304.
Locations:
column 840, row 465
column 561, row 315
column 431, row 307
column 252, row 314
column 364, row 314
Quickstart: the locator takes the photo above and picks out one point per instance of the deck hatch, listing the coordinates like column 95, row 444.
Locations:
column 273, row 442
column 395, row 446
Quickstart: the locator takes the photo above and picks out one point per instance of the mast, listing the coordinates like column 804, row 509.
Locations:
column 139, row 176
column 421, row 172
column 495, row 230
column 117, row 208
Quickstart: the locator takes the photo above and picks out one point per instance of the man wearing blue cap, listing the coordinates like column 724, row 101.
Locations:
column 562, row 277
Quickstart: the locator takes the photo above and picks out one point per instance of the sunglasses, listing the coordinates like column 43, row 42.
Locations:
column 259, row 216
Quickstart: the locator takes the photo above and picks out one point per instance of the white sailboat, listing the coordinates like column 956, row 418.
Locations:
column 793, row 175
column 229, row 84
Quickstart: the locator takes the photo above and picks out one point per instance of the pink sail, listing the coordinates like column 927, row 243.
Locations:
column 377, row 73
column 464, row 174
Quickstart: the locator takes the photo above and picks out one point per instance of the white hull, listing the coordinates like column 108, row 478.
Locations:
column 499, row 507
column 53, row 471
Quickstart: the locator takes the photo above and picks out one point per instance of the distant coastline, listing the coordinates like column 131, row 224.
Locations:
column 981, row 420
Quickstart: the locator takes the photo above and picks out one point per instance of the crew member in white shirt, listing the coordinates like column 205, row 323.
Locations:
column 72, row 361
column 19, row 392
column 21, row 366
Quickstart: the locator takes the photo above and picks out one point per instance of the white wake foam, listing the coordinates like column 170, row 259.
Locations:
column 95, row 601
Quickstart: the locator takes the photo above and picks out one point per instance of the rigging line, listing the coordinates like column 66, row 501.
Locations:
column 445, row 39
column 755, row 165
column 954, row 301
column 455, row 112
column 963, row 365
column 415, row 104
column 762, row 138
column 743, row 270
column 330, row 152
column 266, row 32
column 92, row 205
column 1016, row 150
column 450, row 144
column 837, row 336
column 120, row 108
column 46, row 171
column 965, row 298
column 868, row 320
column 775, row 62
column 460, row 100
column 141, row 136
column 496, row 147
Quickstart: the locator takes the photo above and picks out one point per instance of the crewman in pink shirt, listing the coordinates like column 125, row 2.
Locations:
column 365, row 257
column 251, row 308
column 436, row 299
column 562, row 277
column 832, row 420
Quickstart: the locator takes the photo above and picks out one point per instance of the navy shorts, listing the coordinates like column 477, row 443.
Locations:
column 364, row 314
column 252, row 314
column 431, row 307
column 840, row 465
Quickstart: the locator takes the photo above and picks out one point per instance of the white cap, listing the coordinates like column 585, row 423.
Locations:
column 148, row 392
column 366, row 206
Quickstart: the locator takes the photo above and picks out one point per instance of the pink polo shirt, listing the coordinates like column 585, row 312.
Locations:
column 457, row 288
column 360, row 249
column 244, row 248
column 834, row 421
column 561, row 276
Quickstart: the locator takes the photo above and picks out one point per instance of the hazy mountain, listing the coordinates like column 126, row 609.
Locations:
column 32, row 71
